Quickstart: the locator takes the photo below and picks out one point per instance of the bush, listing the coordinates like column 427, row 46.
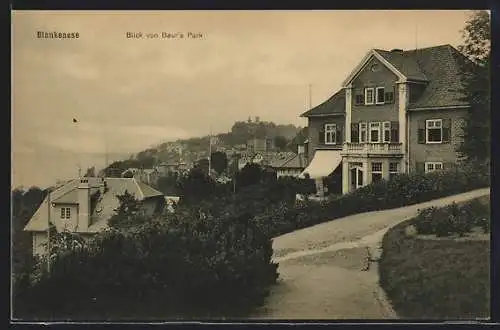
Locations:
column 405, row 189
column 453, row 219
column 202, row 261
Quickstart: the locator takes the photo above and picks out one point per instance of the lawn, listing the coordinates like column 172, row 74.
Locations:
column 435, row 279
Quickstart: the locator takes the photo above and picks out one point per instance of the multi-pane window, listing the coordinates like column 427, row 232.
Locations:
column 369, row 96
column 65, row 213
column 433, row 166
column 393, row 170
column 330, row 133
column 434, row 130
column 362, row 132
column 375, row 132
column 376, row 172
column 387, row 131
column 380, row 95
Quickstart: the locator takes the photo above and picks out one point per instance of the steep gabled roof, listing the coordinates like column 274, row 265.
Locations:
column 440, row 68
column 335, row 105
column 444, row 67
column 404, row 64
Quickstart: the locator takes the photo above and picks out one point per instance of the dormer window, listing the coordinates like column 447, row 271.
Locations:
column 369, row 96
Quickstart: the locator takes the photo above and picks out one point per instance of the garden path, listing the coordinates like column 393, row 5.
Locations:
column 329, row 271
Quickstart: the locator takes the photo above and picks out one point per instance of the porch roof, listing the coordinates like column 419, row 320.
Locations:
column 323, row 164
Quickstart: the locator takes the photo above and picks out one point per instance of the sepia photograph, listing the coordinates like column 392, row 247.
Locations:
column 250, row 165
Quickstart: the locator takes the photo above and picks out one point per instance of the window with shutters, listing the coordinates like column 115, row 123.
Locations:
column 369, row 96
column 380, row 95
column 434, row 130
column 433, row 166
column 375, row 132
column 386, row 133
column 376, row 172
column 362, row 132
column 330, row 133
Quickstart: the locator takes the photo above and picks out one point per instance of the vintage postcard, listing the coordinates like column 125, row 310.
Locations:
column 250, row 165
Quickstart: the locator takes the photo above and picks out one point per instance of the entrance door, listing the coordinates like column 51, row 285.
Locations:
column 356, row 178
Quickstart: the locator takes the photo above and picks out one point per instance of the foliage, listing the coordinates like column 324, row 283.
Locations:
column 169, row 184
column 453, row 219
column 435, row 279
column 202, row 261
column 195, row 186
column 128, row 212
column 253, row 174
column 90, row 173
column 405, row 189
column 280, row 142
column 477, row 88
column 24, row 205
column 219, row 161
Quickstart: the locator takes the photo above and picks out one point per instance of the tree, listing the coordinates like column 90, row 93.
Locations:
column 476, row 82
column 90, row 173
column 218, row 161
column 169, row 184
column 280, row 142
column 196, row 186
column 127, row 213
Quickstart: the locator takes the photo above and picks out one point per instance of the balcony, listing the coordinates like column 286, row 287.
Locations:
column 375, row 149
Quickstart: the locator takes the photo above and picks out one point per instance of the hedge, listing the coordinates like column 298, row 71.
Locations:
column 200, row 262
column 405, row 189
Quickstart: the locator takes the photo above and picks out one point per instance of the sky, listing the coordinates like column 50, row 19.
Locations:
column 128, row 94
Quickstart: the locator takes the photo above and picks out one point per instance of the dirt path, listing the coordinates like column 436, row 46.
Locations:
column 329, row 271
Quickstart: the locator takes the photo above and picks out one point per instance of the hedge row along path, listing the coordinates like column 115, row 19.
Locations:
column 329, row 271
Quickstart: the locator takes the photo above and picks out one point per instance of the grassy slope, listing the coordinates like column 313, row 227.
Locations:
column 435, row 279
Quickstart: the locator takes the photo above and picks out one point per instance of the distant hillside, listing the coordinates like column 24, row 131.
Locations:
column 193, row 149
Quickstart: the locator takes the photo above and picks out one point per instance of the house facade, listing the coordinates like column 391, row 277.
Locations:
column 397, row 112
column 85, row 205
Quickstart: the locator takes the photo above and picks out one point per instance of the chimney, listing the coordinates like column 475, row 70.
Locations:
column 83, row 204
column 396, row 50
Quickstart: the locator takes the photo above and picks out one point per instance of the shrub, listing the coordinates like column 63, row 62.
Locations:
column 453, row 219
column 405, row 189
column 201, row 261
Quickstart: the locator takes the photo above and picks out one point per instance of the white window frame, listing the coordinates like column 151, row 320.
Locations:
column 431, row 166
column 374, row 128
column 378, row 171
column 331, row 129
column 428, row 124
column 386, row 131
column 376, row 95
column 363, row 127
column 366, row 95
